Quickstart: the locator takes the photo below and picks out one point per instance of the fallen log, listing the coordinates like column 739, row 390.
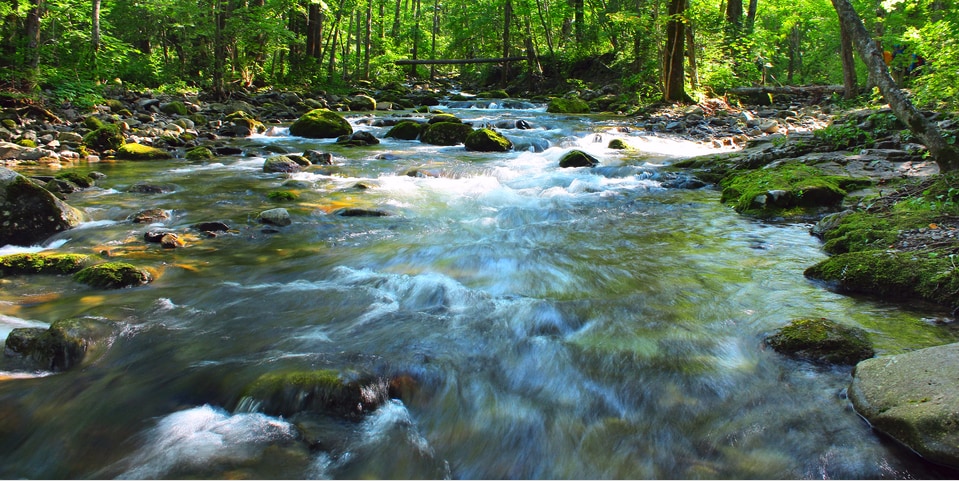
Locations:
column 461, row 61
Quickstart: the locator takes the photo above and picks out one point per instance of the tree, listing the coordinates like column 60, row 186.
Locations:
column 674, row 89
column 945, row 155
column 850, row 85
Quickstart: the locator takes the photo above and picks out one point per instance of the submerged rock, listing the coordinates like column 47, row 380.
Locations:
column 29, row 213
column 914, row 398
column 323, row 391
column 67, row 343
column 113, row 275
column 821, row 340
column 578, row 158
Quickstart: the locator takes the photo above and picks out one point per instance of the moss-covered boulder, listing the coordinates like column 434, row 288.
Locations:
column 29, row 213
column 577, row 158
column 81, row 180
column 175, row 107
column 322, row 391
column 107, row 137
column 914, row 398
column 321, row 124
column 487, row 140
column 438, row 118
column 199, row 153
column 821, row 341
column 568, row 106
column 494, row 94
column 135, row 151
column 405, row 130
column 43, row 263
column 362, row 102
column 446, row 133
column 361, row 138
column 280, row 163
column 791, row 189
column 618, row 144
column 113, row 275
column 889, row 274
column 66, row 344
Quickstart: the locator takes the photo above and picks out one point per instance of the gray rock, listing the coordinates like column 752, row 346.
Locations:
column 914, row 398
column 29, row 213
column 280, row 163
column 278, row 216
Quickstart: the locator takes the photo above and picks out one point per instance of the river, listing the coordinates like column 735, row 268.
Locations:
column 558, row 323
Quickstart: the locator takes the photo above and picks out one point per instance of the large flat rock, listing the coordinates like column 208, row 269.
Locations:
column 914, row 398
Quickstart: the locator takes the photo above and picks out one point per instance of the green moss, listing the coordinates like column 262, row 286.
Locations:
column 568, row 106
column 93, row 123
column 27, row 143
column 142, row 152
column 774, row 191
column 928, row 275
column 406, row 130
column 113, row 275
column 43, row 263
column 115, row 105
column 174, row 108
column 618, row 144
column 494, row 94
column 487, row 140
column 81, row 180
column 107, row 137
column 282, row 195
column 199, row 153
column 444, row 118
column 822, row 340
column 446, row 133
column 9, row 124
column 321, row 124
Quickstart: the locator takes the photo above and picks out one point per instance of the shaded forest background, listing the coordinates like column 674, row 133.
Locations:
column 70, row 50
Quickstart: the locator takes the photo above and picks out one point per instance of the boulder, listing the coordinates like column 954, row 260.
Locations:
column 914, row 398
column 280, row 163
column 578, row 158
column 29, row 213
column 319, row 158
column 487, row 140
column 199, row 153
column 358, row 139
column 113, row 275
column 446, row 133
column 362, row 102
column 322, row 391
column 42, row 263
column 568, row 106
column 107, row 137
column 135, row 151
column 444, row 118
column 278, row 216
column 822, row 341
column 67, row 343
column 405, row 130
column 320, row 124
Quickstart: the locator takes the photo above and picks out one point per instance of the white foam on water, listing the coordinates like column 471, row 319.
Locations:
column 201, row 437
column 9, row 323
column 12, row 249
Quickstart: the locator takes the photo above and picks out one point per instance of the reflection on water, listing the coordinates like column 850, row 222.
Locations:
column 556, row 323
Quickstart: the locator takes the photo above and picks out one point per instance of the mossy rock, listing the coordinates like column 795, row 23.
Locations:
column 174, row 108
column 577, row 158
column 321, row 391
column 446, row 133
column 494, row 94
column 822, row 341
column 113, row 275
column 9, row 124
column 29, row 213
column 135, row 151
column 93, row 123
column 405, row 130
column 321, row 124
column 115, row 105
column 926, row 275
column 282, row 195
column 81, row 180
column 199, row 153
column 487, row 140
column 66, row 344
column 280, row 163
column 43, row 263
column 789, row 189
column 438, row 118
column 618, row 144
column 27, row 143
column 568, row 106
column 362, row 102
column 107, row 137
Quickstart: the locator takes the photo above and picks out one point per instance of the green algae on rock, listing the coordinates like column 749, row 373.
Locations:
column 822, row 341
column 787, row 189
column 568, row 106
column 67, row 343
column 113, row 275
column 323, row 391
column 487, row 140
column 405, row 130
column 577, row 158
column 134, row 151
column 446, row 133
column 43, row 263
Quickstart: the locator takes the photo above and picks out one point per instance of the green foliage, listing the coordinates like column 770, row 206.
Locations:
column 844, row 135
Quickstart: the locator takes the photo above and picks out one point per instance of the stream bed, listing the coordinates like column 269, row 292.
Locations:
column 558, row 323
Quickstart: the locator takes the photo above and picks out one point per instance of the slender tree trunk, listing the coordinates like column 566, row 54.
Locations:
column 435, row 30
column 795, row 61
column 32, row 31
column 367, row 42
column 542, row 9
column 95, row 38
column 507, row 20
column 674, row 89
column 945, row 155
column 395, row 32
column 219, row 51
column 849, row 82
column 691, row 55
column 751, row 15
column 579, row 19
column 416, row 35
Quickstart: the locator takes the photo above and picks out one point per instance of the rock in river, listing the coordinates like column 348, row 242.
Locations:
column 29, row 213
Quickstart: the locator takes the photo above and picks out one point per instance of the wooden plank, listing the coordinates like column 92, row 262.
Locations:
column 461, row 61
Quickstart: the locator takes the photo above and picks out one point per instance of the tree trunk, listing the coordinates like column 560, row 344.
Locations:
column 691, row 54
column 674, row 89
column 95, row 34
column 543, row 12
column 849, row 82
column 945, row 155
column 751, row 15
column 436, row 27
column 507, row 20
column 579, row 19
column 32, row 31
column 734, row 12
column 368, row 41
column 219, row 51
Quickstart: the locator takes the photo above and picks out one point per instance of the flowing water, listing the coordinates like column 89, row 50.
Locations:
column 558, row 323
